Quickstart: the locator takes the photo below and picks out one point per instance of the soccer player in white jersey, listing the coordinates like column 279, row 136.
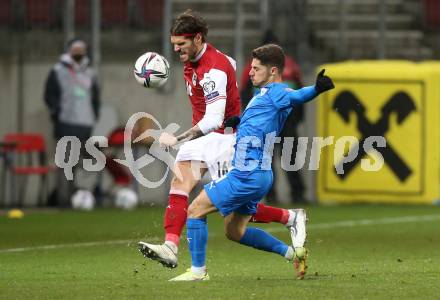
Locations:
column 212, row 89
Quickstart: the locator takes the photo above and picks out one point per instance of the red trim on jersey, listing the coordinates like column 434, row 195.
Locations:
column 215, row 99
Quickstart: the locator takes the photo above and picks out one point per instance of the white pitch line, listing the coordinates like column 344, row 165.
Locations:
column 366, row 222
column 58, row 246
column 348, row 223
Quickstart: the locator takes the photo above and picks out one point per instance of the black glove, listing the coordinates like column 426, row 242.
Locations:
column 232, row 122
column 323, row 83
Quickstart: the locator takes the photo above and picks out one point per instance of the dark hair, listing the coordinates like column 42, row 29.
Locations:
column 190, row 22
column 74, row 40
column 270, row 55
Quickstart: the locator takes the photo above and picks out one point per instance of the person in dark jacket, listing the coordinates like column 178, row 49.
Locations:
column 72, row 96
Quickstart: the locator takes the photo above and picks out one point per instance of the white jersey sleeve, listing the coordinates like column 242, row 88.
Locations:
column 214, row 88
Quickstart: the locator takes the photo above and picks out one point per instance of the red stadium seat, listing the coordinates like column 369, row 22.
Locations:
column 28, row 157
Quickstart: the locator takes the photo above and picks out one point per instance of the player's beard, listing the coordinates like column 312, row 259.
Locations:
column 193, row 52
column 188, row 55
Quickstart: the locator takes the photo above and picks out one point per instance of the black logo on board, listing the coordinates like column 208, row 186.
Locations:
column 401, row 104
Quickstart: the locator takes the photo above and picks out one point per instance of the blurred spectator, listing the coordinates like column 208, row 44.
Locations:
column 291, row 76
column 72, row 96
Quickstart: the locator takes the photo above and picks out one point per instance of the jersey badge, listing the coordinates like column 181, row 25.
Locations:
column 209, row 87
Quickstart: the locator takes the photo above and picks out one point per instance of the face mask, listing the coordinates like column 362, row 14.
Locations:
column 77, row 57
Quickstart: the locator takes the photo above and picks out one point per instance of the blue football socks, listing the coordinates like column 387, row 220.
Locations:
column 197, row 234
column 260, row 239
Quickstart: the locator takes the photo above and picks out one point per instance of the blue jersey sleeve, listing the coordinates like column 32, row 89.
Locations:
column 302, row 95
column 288, row 97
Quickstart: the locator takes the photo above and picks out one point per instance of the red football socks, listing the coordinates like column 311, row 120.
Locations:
column 268, row 214
column 175, row 216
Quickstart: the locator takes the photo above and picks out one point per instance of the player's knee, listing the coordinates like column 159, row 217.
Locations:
column 177, row 182
column 194, row 210
column 230, row 236
column 182, row 184
column 233, row 234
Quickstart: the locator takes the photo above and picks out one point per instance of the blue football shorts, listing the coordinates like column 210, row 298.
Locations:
column 239, row 191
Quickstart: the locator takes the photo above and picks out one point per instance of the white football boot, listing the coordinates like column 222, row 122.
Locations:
column 298, row 233
column 162, row 253
column 297, row 227
column 190, row 276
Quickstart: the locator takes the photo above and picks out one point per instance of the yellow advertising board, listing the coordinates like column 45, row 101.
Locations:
column 396, row 102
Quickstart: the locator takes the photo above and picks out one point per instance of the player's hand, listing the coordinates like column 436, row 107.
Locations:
column 167, row 140
column 232, row 122
column 323, row 82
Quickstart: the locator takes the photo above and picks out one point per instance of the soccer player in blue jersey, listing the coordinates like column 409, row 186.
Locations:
column 237, row 194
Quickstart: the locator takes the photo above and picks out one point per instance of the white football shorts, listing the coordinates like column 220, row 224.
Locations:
column 215, row 149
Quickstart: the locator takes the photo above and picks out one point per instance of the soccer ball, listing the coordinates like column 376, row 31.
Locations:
column 126, row 199
column 151, row 70
column 83, row 200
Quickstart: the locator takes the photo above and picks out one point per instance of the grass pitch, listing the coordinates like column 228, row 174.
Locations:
column 356, row 252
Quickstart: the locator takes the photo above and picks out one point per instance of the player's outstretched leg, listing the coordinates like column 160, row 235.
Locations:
column 174, row 221
column 175, row 217
column 262, row 240
column 197, row 236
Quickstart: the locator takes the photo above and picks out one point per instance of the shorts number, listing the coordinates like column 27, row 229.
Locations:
column 223, row 168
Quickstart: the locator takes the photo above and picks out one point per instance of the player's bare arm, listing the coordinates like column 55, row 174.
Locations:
column 167, row 140
column 190, row 134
